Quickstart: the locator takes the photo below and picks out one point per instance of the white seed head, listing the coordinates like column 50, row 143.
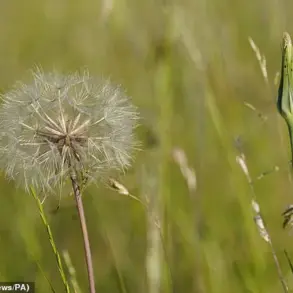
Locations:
column 64, row 123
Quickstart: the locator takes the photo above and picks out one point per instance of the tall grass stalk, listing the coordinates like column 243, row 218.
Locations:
column 164, row 96
column 51, row 238
column 263, row 230
column 72, row 271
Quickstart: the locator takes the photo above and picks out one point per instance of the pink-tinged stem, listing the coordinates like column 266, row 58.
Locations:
column 86, row 242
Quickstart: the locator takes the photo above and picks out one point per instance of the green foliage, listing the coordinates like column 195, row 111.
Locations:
column 190, row 69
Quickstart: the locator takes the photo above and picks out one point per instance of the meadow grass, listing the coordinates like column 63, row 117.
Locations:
column 190, row 69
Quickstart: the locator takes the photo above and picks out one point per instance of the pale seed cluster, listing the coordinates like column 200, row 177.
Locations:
column 64, row 124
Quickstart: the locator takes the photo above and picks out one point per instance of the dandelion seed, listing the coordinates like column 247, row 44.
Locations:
column 65, row 127
column 60, row 123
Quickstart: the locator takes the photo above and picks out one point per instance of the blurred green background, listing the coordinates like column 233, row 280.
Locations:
column 190, row 69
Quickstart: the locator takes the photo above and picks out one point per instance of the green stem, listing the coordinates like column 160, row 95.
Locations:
column 52, row 242
column 290, row 128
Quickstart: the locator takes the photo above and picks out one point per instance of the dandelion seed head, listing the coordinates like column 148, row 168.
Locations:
column 60, row 123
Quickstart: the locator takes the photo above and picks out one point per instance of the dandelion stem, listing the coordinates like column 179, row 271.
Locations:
column 87, row 249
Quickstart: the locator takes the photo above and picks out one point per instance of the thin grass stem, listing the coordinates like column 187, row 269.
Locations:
column 263, row 230
column 52, row 242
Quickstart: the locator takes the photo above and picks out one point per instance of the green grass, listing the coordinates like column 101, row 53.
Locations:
column 189, row 68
